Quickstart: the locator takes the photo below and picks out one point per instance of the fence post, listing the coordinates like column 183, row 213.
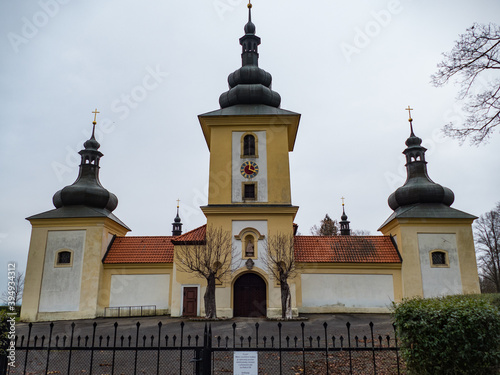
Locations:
column 204, row 367
column 373, row 350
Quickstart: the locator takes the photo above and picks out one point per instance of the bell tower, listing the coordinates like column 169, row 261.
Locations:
column 249, row 139
column 434, row 239
column 64, row 270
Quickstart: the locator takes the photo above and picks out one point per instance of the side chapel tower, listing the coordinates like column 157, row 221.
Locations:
column 435, row 240
column 249, row 139
column 67, row 245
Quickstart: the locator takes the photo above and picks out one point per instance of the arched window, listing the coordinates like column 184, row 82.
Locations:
column 249, row 145
column 64, row 258
column 439, row 258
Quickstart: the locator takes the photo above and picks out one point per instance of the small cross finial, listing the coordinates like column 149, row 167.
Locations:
column 409, row 118
column 249, row 4
column 342, row 201
column 178, row 200
column 95, row 115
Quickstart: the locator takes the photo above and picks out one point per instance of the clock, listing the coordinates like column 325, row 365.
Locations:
column 249, row 169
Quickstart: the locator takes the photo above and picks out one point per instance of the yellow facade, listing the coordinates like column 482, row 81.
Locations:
column 98, row 233
column 406, row 231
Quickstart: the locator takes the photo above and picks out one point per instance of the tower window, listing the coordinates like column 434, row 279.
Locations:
column 439, row 259
column 250, row 190
column 249, row 145
column 64, row 258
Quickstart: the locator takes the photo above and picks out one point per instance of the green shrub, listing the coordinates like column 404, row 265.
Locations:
column 4, row 329
column 449, row 335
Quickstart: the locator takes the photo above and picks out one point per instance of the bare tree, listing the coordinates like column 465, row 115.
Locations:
column 474, row 59
column 487, row 237
column 328, row 227
column 211, row 259
column 14, row 294
column 280, row 262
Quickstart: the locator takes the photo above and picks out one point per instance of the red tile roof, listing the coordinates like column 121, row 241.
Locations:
column 195, row 235
column 345, row 249
column 145, row 249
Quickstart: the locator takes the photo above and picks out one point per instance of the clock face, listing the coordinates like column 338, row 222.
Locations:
column 249, row 169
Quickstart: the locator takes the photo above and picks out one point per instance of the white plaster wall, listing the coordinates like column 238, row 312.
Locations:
column 261, row 226
column 346, row 290
column 439, row 281
column 139, row 290
column 61, row 286
column 261, row 161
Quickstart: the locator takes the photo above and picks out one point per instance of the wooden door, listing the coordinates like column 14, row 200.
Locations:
column 249, row 298
column 190, row 301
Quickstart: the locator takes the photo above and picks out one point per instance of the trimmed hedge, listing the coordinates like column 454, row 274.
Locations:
column 449, row 335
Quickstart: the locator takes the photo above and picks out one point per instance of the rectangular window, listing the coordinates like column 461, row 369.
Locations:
column 249, row 191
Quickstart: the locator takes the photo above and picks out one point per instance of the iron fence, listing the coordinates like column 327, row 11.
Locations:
column 162, row 352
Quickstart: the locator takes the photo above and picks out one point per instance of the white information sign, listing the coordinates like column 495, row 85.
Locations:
column 245, row 363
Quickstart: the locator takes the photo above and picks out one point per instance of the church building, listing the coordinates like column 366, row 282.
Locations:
column 83, row 264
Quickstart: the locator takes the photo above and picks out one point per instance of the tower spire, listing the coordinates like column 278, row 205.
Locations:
column 344, row 223
column 177, row 225
column 87, row 189
column 418, row 188
column 250, row 84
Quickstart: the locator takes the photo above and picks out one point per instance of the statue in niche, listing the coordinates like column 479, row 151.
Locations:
column 249, row 250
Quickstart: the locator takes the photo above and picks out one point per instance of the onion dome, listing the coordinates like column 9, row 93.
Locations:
column 418, row 188
column 87, row 189
column 177, row 225
column 249, row 84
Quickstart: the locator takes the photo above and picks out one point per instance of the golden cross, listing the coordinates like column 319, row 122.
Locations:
column 342, row 200
column 95, row 115
column 178, row 200
column 409, row 112
column 249, row 4
column 410, row 119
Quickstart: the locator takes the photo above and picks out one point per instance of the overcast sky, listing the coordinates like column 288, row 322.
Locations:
column 350, row 68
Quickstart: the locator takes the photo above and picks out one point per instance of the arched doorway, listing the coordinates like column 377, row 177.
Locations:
column 249, row 296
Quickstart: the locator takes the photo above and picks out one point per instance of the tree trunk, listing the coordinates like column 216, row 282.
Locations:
column 209, row 297
column 286, row 300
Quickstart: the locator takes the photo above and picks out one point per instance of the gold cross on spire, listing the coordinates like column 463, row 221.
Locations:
column 178, row 200
column 95, row 115
column 410, row 119
column 342, row 201
column 249, row 4
column 409, row 113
